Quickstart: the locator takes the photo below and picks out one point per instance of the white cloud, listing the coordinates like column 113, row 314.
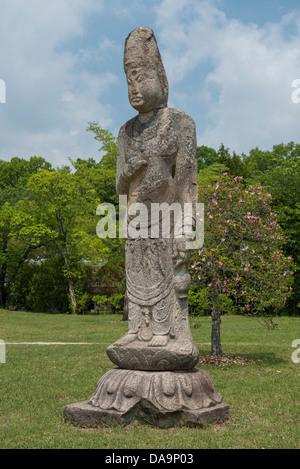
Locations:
column 50, row 95
column 246, row 95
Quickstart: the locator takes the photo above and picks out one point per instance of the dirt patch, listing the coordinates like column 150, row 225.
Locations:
column 225, row 360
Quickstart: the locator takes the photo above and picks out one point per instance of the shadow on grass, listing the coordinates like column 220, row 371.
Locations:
column 253, row 358
column 269, row 358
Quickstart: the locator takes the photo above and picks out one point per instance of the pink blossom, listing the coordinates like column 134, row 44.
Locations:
column 209, row 285
column 225, row 174
column 220, row 264
column 203, row 259
column 225, row 291
column 247, row 306
column 223, row 239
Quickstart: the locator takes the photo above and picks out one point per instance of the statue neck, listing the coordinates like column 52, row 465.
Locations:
column 145, row 117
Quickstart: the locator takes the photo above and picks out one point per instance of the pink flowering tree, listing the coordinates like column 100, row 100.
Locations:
column 241, row 267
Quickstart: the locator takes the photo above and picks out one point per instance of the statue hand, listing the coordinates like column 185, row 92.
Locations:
column 133, row 166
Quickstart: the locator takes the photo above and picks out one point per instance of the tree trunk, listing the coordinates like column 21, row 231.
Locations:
column 216, row 349
column 72, row 296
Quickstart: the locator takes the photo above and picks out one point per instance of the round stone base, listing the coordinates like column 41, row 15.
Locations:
column 162, row 398
column 176, row 355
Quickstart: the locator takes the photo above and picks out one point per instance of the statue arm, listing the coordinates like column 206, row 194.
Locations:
column 186, row 180
column 126, row 171
column 186, row 169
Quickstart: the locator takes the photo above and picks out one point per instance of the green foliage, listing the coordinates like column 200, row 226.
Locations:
column 211, row 174
column 108, row 142
column 101, row 301
column 16, row 172
column 117, row 302
column 206, row 156
column 40, row 286
column 198, row 301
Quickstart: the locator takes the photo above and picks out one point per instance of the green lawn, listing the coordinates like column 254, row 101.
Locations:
column 37, row 381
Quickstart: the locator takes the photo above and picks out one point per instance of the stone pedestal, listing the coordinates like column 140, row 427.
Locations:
column 162, row 398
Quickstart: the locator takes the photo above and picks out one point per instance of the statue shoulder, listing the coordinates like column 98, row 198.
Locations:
column 180, row 118
column 125, row 127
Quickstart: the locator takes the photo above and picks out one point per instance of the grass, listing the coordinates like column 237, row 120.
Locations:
column 37, row 381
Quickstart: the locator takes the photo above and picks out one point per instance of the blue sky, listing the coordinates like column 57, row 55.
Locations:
column 230, row 65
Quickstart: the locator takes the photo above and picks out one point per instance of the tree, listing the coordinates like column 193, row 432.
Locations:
column 14, row 175
column 61, row 212
column 283, row 182
column 206, row 156
column 241, row 267
column 109, row 144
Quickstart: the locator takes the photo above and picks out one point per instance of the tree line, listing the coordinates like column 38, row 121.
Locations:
column 50, row 255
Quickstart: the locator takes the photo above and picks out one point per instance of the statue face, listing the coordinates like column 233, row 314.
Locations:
column 144, row 89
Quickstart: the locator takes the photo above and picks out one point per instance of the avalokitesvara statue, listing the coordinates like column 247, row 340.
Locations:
column 155, row 378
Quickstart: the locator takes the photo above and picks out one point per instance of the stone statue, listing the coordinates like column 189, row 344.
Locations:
column 156, row 169
column 156, row 165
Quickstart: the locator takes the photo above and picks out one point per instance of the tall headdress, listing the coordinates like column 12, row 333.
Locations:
column 141, row 50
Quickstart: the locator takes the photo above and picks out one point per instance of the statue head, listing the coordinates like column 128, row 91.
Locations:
column 145, row 73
